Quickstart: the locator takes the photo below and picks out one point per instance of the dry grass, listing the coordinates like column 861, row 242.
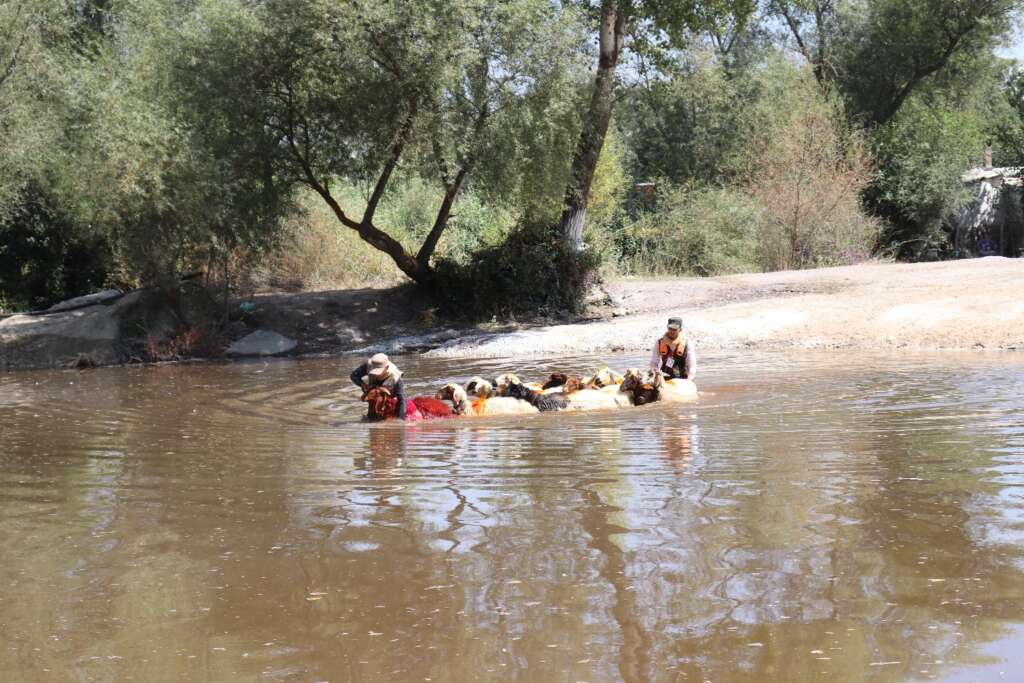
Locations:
column 318, row 253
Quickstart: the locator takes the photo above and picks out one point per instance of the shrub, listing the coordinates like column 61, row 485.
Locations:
column 192, row 342
column 45, row 256
column 791, row 198
column 693, row 231
column 809, row 182
column 923, row 152
column 529, row 273
column 317, row 253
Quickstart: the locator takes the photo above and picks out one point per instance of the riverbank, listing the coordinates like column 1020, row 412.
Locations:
column 975, row 304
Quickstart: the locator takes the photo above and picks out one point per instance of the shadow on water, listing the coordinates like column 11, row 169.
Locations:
column 809, row 519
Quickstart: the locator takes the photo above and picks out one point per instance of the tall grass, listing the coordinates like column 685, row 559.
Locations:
column 317, row 252
column 693, row 232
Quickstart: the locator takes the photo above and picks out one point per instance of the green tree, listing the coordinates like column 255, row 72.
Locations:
column 1007, row 130
column 32, row 44
column 648, row 23
column 44, row 254
column 879, row 52
column 696, row 123
column 940, row 132
column 318, row 90
column 151, row 174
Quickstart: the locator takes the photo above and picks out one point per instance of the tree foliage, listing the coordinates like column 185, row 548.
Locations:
column 33, row 57
column 44, row 256
column 879, row 52
column 169, row 136
column 651, row 26
column 318, row 91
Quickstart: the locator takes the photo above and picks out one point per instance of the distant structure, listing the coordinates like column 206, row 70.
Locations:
column 993, row 223
column 647, row 193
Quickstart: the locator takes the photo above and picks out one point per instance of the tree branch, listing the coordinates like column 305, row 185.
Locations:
column 794, row 29
column 389, row 166
column 16, row 52
column 441, row 222
column 451, row 190
column 368, row 232
column 920, row 73
column 307, row 168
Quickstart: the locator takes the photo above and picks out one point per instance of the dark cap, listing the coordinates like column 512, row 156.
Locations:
column 675, row 323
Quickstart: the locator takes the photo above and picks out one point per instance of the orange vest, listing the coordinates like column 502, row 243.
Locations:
column 668, row 347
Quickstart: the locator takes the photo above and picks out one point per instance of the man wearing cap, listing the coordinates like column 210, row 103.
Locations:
column 379, row 371
column 673, row 355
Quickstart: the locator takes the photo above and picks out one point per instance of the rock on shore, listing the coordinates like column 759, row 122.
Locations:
column 89, row 330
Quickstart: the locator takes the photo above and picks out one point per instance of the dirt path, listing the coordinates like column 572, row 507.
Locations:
column 970, row 304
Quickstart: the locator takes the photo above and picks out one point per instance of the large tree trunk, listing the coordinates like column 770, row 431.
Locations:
column 595, row 124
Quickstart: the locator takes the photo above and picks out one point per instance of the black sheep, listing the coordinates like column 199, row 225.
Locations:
column 541, row 402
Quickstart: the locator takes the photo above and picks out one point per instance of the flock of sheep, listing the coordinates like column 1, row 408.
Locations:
column 508, row 395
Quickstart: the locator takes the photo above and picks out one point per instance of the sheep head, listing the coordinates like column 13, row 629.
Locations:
column 572, row 385
column 643, row 386
column 631, row 379
column 478, row 386
column 382, row 404
column 454, row 393
column 447, row 392
column 605, row 377
column 503, row 381
column 556, row 379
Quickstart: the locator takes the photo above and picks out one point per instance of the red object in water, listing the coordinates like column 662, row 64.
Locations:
column 412, row 413
column 384, row 406
column 430, row 407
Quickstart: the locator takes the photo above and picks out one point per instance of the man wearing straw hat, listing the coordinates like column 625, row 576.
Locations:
column 379, row 371
column 673, row 355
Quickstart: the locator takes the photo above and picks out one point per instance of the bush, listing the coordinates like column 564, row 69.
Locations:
column 791, row 198
column 693, row 231
column 529, row 273
column 316, row 252
column 45, row 256
column 923, row 152
column 192, row 342
column 808, row 183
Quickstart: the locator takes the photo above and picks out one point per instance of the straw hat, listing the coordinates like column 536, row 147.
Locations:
column 380, row 369
column 378, row 366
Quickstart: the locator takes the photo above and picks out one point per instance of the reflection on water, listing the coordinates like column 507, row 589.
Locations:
column 811, row 518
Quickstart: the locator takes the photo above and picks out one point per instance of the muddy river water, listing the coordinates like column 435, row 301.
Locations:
column 818, row 517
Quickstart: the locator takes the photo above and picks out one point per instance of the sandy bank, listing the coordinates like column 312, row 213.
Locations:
column 969, row 304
